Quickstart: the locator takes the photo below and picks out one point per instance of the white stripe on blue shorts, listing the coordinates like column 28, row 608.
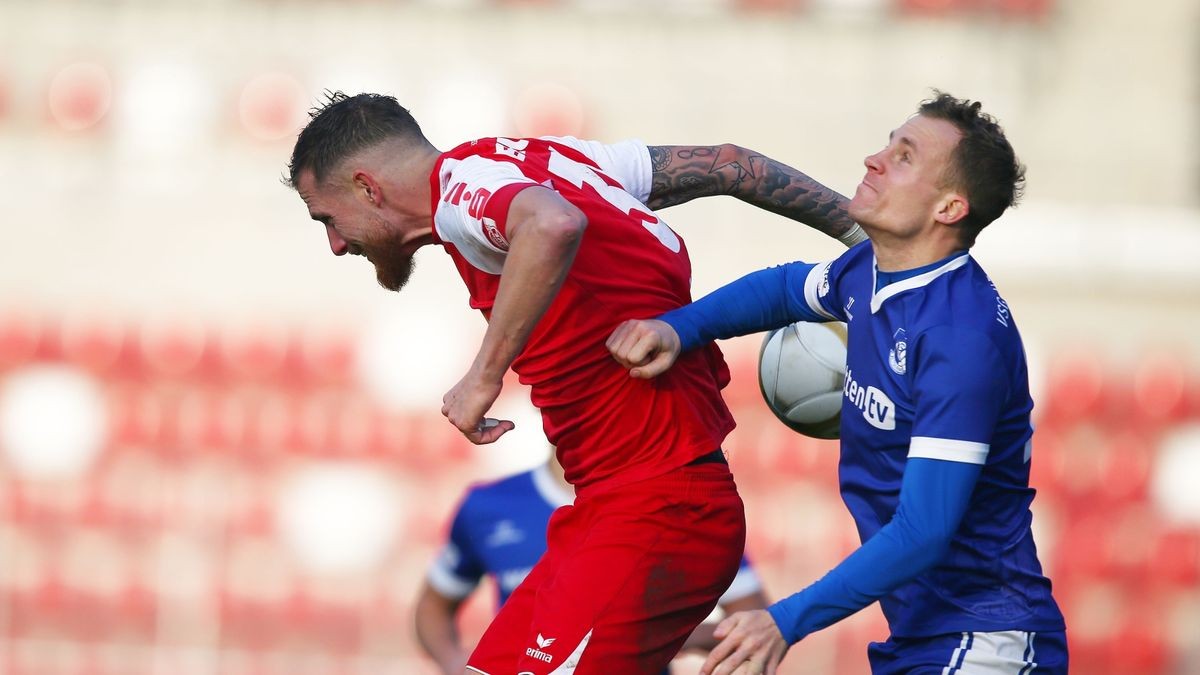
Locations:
column 1007, row 652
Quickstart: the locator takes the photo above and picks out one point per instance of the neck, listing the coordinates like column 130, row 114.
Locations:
column 898, row 254
column 408, row 196
column 410, row 180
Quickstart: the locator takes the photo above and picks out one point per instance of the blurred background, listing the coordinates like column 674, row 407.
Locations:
column 220, row 447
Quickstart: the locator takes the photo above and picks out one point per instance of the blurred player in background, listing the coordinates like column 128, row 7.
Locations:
column 499, row 530
column 557, row 243
column 935, row 424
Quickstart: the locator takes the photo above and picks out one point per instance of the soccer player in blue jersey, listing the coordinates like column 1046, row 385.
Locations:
column 499, row 531
column 935, row 435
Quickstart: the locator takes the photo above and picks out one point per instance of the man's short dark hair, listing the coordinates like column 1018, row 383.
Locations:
column 983, row 164
column 344, row 125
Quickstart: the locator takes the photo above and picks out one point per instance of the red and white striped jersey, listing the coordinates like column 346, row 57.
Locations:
column 608, row 427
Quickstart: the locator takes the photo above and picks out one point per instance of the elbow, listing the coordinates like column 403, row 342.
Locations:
column 926, row 545
column 564, row 228
column 728, row 153
column 931, row 548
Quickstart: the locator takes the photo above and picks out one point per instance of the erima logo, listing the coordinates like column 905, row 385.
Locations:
column 898, row 355
column 875, row 405
column 823, row 287
column 542, row 643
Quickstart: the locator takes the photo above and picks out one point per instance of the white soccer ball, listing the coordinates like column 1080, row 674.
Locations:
column 801, row 371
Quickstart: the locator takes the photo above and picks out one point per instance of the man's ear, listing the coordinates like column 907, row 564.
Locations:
column 367, row 188
column 952, row 209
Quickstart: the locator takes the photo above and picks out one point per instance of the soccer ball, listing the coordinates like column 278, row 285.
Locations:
column 801, row 371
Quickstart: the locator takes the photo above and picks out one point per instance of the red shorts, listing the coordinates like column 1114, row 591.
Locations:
column 628, row 573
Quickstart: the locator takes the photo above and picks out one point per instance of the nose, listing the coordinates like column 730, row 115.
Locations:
column 336, row 243
column 873, row 163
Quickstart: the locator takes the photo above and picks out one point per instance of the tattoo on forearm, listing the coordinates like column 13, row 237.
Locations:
column 660, row 157
column 683, row 173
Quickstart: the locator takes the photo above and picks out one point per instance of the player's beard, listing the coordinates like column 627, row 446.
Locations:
column 393, row 272
column 393, row 266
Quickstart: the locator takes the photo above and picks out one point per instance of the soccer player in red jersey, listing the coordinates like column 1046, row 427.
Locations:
column 558, row 243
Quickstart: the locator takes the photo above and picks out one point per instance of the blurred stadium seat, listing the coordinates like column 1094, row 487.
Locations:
column 206, row 423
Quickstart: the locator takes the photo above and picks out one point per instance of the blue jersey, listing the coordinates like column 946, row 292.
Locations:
column 916, row 349
column 936, row 396
column 500, row 531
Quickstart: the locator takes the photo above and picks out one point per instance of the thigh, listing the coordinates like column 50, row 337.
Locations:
column 972, row 653
column 502, row 643
column 627, row 578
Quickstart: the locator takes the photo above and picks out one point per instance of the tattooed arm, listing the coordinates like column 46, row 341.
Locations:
column 685, row 172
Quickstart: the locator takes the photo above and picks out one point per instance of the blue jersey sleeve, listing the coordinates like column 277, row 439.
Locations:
column 933, row 497
column 759, row 301
column 458, row 569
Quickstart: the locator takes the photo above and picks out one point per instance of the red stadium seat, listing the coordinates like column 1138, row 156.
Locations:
column 1076, row 388
column 248, row 623
column 269, row 106
column 321, row 359
column 175, row 350
column 298, row 424
column 136, row 415
column 268, row 423
column 359, row 429
column 129, row 490
column 433, row 444
column 1125, row 466
column 79, row 96
column 252, row 601
column 936, row 6
column 96, row 345
column 1082, row 550
column 20, row 337
column 1175, row 558
column 1048, row 464
column 1160, row 389
column 1027, row 9
column 1139, row 645
column 330, row 626
column 253, row 354
column 1076, row 467
column 743, row 391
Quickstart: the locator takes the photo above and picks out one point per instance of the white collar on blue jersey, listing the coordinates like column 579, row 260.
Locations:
column 917, row 281
column 550, row 489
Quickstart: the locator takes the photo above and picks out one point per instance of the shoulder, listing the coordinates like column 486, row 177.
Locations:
column 487, row 493
column 968, row 300
column 854, row 263
column 856, row 258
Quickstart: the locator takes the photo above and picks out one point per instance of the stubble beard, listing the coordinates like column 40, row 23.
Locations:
column 393, row 266
column 392, row 273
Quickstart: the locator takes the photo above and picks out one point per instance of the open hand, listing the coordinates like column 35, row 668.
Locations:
column 751, row 644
